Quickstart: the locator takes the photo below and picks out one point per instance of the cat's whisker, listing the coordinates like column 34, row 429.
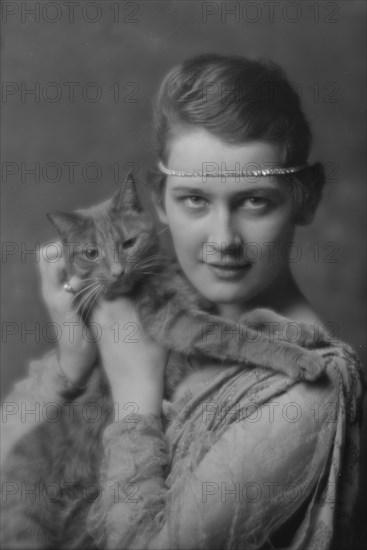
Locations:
column 88, row 291
column 74, row 304
column 154, row 258
column 150, row 259
column 147, row 261
column 90, row 279
column 89, row 301
column 146, row 266
column 147, row 272
column 94, row 279
column 85, row 299
column 93, row 296
column 77, row 294
column 100, row 293
column 79, row 300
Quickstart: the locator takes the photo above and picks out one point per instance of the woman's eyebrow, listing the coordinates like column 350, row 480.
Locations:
column 189, row 189
column 272, row 191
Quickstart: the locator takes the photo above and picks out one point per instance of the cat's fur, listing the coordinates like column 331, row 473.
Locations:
column 67, row 454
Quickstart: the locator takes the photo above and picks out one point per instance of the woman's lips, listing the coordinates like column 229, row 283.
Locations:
column 229, row 271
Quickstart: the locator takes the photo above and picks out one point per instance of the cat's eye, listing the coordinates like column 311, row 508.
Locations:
column 91, row 253
column 128, row 243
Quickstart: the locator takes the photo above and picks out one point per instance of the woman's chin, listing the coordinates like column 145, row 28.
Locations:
column 225, row 293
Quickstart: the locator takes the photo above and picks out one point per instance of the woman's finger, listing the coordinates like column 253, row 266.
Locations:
column 121, row 310
column 52, row 276
column 53, row 270
column 52, row 265
column 76, row 283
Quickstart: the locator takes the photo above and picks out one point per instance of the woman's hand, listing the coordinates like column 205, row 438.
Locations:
column 133, row 362
column 77, row 351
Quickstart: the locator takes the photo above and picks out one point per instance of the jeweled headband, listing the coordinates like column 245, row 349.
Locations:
column 233, row 173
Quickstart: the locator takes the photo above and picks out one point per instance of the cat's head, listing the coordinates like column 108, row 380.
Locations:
column 112, row 246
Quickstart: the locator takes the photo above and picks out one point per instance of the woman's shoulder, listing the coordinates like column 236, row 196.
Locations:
column 338, row 393
column 340, row 355
column 341, row 351
column 345, row 367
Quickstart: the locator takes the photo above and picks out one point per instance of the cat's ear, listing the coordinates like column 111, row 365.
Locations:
column 127, row 198
column 65, row 223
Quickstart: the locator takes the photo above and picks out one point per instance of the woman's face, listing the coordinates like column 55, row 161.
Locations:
column 231, row 237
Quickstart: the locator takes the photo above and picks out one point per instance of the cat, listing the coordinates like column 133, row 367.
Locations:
column 114, row 248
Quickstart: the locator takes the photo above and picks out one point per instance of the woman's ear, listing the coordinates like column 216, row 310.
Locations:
column 158, row 201
column 305, row 218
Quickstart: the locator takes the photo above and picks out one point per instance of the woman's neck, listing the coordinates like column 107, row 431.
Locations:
column 283, row 296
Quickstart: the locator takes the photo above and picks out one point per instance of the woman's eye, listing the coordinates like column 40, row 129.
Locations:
column 256, row 203
column 194, row 201
column 91, row 254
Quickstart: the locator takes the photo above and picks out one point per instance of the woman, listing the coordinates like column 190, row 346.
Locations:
column 237, row 457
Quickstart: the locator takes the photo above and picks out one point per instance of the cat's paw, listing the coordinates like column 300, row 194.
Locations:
column 309, row 366
column 308, row 335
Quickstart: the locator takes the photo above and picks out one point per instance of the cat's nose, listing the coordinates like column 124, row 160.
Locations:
column 117, row 272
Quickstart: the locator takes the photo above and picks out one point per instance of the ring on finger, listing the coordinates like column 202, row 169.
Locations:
column 68, row 288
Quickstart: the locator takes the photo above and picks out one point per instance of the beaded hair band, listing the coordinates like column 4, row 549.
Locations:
column 232, row 173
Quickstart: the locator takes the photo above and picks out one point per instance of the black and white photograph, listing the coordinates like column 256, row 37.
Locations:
column 183, row 275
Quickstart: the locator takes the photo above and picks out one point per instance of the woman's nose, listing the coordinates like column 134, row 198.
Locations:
column 223, row 230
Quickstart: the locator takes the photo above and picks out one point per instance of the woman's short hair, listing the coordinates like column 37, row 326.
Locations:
column 239, row 100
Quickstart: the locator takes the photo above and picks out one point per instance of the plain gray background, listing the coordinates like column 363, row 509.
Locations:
column 123, row 56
